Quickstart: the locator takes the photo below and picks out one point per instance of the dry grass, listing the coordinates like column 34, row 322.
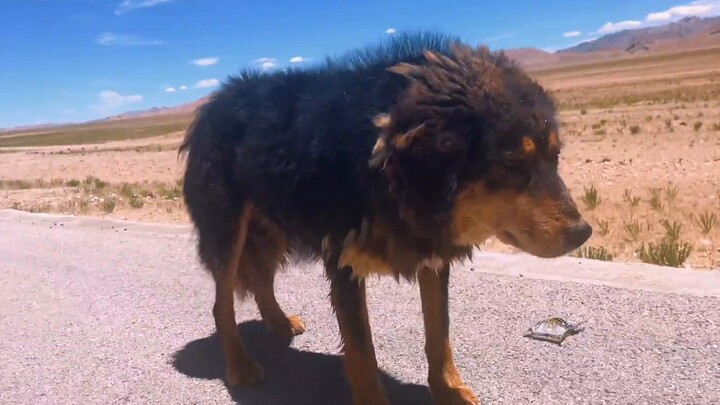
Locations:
column 96, row 132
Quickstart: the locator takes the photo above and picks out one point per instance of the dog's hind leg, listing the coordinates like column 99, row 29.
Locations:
column 263, row 256
column 277, row 321
column 241, row 369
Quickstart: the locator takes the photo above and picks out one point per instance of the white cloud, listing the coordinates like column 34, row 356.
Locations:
column 390, row 31
column 205, row 61
column 110, row 39
column 266, row 63
column 297, row 59
column 170, row 90
column 611, row 27
column 111, row 100
column 203, row 84
column 572, row 34
column 129, row 5
column 183, row 87
column 696, row 8
column 702, row 8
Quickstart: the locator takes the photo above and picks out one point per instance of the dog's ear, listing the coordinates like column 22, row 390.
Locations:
column 414, row 138
column 387, row 143
column 406, row 69
column 381, row 150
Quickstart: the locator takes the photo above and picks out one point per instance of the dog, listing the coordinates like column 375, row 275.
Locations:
column 395, row 159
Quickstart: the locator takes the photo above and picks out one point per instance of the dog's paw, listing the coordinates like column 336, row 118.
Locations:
column 287, row 328
column 244, row 374
column 461, row 395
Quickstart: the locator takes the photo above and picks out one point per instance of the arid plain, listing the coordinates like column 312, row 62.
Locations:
column 641, row 156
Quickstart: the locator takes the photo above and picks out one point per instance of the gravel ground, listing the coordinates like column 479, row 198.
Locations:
column 101, row 312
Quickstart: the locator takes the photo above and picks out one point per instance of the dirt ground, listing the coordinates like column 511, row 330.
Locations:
column 624, row 134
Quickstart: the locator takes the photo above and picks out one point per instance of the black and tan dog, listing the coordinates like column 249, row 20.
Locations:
column 396, row 159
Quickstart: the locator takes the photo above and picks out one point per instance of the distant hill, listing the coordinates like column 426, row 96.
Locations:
column 158, row 111
column 690, row 31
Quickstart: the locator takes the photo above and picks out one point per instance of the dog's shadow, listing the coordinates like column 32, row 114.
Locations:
column 291, row 376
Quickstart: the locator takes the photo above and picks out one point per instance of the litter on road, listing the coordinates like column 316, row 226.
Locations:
column 553, row 329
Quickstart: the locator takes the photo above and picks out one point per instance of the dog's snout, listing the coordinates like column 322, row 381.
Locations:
column 579, row 234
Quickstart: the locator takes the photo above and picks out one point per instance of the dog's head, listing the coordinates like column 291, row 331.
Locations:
column 475, row 139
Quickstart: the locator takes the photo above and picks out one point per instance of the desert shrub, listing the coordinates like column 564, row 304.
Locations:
column 591, row 198
column 707, row 222
column 672, row 230
column 633, row 201
column 595, row 253
column 697, row 125
column 603, row 227
column 170, row 193
column 655, row 200
column 669, row 125
column 671, row 191
column 109, row 204
column 73, row 183
column 136, row 202
column 665, row 253
column 634, row 129
column 632, row 229
column 92, row 181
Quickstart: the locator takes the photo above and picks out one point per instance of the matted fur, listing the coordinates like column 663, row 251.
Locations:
column 390, row 159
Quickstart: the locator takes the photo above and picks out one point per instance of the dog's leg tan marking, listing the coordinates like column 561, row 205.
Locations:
column 264, row 254
column 347, row 295
column 241, row 370
column 277, row 321
column 444, row 379
column 361, row 366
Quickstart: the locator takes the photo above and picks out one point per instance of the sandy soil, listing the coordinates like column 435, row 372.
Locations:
column 617, row 149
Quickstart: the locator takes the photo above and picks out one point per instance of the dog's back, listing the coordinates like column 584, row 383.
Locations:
column 296, row 143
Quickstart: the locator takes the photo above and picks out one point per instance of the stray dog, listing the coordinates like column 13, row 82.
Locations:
column 395, row 159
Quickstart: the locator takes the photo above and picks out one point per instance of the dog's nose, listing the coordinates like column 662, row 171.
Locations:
column 579, row 234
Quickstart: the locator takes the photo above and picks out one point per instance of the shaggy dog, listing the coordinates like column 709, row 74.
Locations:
column 395, row 159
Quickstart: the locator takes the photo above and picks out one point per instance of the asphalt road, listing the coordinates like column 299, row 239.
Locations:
column 100, row 312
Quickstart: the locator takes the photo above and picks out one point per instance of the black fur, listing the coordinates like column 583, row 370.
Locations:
column 297, row 144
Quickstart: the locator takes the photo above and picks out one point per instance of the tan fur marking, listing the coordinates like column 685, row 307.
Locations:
column 472, row 216
column 240, row 368
column 446, row 385
column 434, row 263
column 529, row 147
column 554, row 142
column 382, row 120
column 362, row 263
column 359, row 359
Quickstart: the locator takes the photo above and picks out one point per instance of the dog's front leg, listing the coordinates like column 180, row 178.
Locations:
column 444, row 380
column 348, row 299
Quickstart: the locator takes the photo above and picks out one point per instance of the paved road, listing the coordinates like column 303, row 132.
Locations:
column 99, row 312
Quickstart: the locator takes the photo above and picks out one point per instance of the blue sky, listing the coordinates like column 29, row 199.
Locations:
column 75, row 60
